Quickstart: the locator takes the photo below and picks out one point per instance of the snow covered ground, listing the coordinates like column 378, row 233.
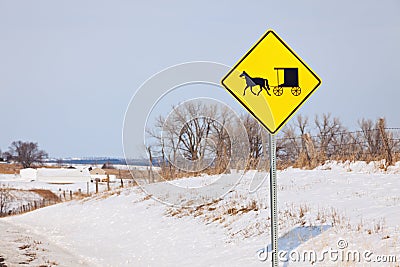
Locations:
column 116, row 166
column 343, row 209
column 15, row 181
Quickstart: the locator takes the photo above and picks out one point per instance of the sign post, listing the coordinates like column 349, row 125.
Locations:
column 271, row 82
column 273, row 200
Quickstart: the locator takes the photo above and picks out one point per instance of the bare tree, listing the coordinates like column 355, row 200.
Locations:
column 376, row 141
column 327, row 130
column 222, row 141
column 371, row 137
column 60, row 162
column 302, row 124
column 290, row 144
column 191, row 138
column 164, row 135
column 293, row 144
column 346, row 145
column 385, row 136
column 254, row 133
column 5, row 199
column 26, row 153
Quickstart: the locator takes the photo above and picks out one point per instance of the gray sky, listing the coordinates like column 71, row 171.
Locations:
column 68, row 68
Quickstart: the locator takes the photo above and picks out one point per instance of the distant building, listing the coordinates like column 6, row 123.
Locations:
column 65, row 175
column 101, row 175
column 97, row 171
column 28, row 174
column 51, row 175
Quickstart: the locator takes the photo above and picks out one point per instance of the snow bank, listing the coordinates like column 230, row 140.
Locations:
column 360, row 166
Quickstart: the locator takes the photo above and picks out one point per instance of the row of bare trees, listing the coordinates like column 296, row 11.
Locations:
column 197, row 137
column 309, row 144
column 194, row 137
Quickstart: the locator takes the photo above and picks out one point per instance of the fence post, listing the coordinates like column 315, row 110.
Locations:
column 381, row 125
column 310, row 149
column 97, row 186
column 70, row 194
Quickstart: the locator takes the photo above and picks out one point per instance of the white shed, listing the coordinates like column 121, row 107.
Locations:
column 28, row 174
column 63, row 175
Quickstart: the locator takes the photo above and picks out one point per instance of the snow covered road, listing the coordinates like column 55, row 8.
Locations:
column 19, row 246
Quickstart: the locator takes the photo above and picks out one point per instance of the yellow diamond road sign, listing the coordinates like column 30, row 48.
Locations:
column 271, row 81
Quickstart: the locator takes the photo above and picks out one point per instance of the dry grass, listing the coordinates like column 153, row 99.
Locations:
column 46, row 194
column 124, row 174
column 14, row 168
column 10, row 168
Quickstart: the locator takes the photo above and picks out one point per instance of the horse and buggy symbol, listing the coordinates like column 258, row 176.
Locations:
column 290, row 80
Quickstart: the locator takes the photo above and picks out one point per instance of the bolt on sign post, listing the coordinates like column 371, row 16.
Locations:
column 271, row 82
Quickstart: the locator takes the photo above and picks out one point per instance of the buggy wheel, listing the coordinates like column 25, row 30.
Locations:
column 278, row 91
column 296, row 91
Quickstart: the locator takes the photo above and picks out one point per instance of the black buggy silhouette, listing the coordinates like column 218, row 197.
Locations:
column 290, row 80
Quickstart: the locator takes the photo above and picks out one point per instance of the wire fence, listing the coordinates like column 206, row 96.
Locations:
column 344, row 133
column 30, row 206
column 367, row 144
column 13, row 204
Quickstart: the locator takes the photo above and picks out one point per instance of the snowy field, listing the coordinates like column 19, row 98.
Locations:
column 15, row 181
column 116, row 166
column 351, row 211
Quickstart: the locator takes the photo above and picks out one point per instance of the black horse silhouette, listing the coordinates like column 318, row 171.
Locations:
column 250, row 82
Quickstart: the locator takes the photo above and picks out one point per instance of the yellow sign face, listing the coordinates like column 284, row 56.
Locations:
column 271, row 81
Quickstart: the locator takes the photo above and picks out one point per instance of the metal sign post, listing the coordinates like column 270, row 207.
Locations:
column 274, row 214
column 269, row 57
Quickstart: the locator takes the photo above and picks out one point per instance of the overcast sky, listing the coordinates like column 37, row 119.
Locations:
column 69, row 68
